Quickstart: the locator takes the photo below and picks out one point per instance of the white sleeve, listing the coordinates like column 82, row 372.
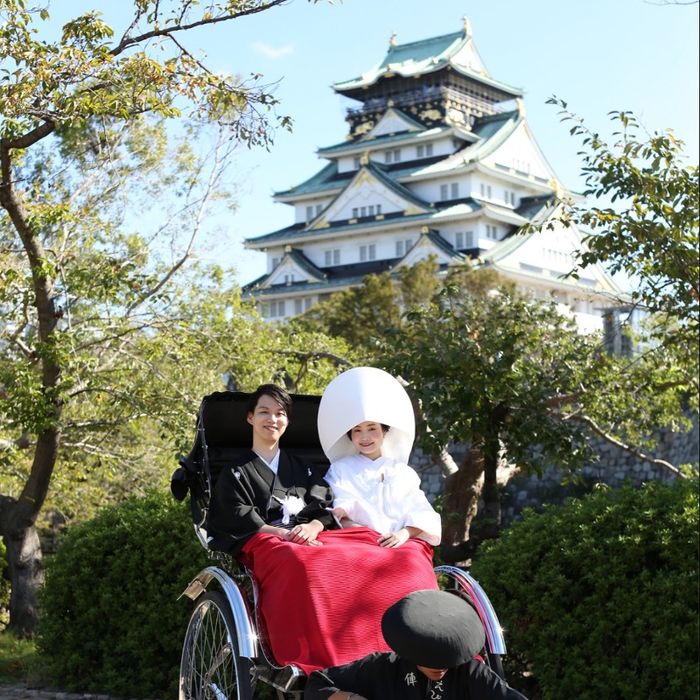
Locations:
column 416, row 509
column 344, row 493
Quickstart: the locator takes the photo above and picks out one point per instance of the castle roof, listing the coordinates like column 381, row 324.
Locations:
column 411, row 60
column 488, row 133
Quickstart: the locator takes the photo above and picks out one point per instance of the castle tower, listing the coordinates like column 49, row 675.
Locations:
column 439, row 160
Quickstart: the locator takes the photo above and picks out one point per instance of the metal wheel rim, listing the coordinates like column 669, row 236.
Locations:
column 208, row 668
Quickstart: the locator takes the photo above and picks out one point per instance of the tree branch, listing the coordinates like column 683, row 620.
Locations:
column 126, row 41
column 30, row 138
column 624, row 446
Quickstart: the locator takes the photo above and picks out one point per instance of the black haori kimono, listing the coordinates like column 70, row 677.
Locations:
column 249, row 494
column 387, row 677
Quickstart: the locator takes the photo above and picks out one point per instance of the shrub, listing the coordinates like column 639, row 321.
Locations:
column 111, row 620
column 599, row 597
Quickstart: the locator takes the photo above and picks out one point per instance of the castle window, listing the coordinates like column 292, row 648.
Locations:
column 298, row 306
column 275, row 262
column 370, row 209
column 469, row 239
column 368, row 252
column 454, row 190
column 419, row 151
column 309, row 214
column 443, row 192
column 492, row 232
column 399, row 249
column 429, row 150
column 307, row 303
column 319, row 209
column 379, row 208
column 356, row 162
column 459, row 240
column 486, row 191
column 354, row 212
column 332, row 257
column 275, row 309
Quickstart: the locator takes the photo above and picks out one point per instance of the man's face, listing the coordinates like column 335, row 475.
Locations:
column 269, row 420
column 435, row 674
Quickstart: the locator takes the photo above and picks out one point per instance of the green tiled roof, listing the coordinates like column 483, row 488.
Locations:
column 326, row 178
column 306, row 264
column 493, row 130
column 290, row 234
column 396, row 187
column 363, row 144
column 421, row 57
column 489, row 132
column 442, row 244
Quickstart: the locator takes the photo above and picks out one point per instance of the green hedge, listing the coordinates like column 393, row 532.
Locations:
column 111, row 620
column 599, row 597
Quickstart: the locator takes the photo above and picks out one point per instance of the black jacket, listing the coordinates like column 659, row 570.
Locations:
column 242, row 500
column 385, row 676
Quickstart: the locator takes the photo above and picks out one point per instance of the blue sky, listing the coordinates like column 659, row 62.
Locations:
column 598, row 55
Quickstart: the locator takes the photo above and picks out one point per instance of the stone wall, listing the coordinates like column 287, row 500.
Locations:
column 614, row 467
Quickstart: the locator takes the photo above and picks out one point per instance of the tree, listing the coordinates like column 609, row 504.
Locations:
column 360, row 314
column 649, row 228
column 514, row 379
column 92, row 315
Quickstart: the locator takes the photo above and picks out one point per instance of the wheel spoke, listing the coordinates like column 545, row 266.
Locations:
column 210, row 667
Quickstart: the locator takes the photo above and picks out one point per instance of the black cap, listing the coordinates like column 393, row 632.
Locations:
column 434, row 629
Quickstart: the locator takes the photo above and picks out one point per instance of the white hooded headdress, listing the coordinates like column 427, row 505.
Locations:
column 365, row 394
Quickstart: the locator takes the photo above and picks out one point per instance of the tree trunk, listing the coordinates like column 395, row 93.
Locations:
column 462, row 491
column 24, row 558
column 18, row 518
column 490, row 524
column 461, row 502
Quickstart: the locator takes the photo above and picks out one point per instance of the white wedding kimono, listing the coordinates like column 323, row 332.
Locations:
column 383, row 494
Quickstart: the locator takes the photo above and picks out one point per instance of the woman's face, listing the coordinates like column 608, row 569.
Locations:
column 269, row 421
column 368, row 438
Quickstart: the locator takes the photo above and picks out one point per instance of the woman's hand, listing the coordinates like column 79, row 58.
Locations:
column 394, row 539
column 306, row 533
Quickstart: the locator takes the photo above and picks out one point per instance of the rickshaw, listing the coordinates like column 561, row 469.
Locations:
column 225, row 655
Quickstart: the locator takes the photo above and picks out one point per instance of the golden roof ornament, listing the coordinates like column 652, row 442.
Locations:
column 364, row 158
column 467, row 26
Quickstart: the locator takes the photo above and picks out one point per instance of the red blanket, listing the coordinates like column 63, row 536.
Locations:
column 322, row 606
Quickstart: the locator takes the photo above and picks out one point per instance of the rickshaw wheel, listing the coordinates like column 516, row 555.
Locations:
column 211, row 668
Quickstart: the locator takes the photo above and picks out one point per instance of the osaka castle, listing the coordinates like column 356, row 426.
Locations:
column 439, row 161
